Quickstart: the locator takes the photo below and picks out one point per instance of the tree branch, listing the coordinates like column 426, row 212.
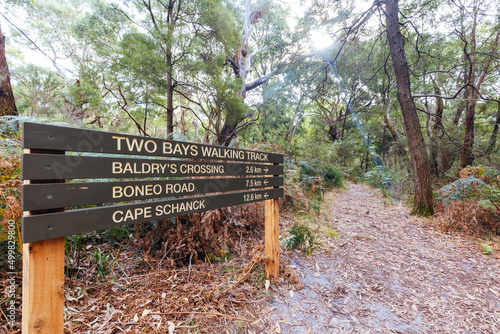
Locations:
column 129, row 115
column 258, row 82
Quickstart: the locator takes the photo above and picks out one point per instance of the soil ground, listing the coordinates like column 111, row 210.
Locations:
column 389, row 272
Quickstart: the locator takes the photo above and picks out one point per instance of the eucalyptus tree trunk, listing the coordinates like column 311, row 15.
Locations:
column 172, row 16
column 493, row 137
column 241, row 64
column 467, row 148
column 473, row 93
column 7, row 102
column 467, row 153
column 438, row 126
column 423, row 204
column 170, row 96
column 462, row 105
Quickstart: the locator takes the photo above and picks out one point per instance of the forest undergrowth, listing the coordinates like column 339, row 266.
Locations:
column 205, row 272
column 202, row 271
column 468, row 205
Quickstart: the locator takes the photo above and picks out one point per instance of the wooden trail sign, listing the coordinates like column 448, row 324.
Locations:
column 158, row 190
column 46, row 137
column 57, row 167
column 53, row 225
column 63, row 195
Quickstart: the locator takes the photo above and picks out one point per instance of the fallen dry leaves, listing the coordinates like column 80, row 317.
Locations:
column 389, row 272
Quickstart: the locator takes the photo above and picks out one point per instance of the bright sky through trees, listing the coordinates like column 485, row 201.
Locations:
column 320, row 39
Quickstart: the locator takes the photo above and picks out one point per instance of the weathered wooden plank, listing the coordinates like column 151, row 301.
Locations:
column 43, row 287
column 49, row 195
column 54, row 167
column 53, row 225
column 50, row 137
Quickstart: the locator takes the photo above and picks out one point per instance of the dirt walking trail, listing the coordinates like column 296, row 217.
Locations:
column 389, row 272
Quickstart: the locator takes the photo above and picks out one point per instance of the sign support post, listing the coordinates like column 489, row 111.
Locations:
column 272, row 247
column 43, row 284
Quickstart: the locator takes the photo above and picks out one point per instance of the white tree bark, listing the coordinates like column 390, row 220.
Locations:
column 242, row 61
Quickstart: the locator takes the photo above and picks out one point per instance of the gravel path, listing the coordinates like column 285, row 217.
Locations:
column 389, row 272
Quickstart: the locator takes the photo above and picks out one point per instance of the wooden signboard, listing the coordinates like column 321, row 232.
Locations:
column 64, row 195
column 44, row 137
column 116, row 174
column 57, row 167
column 53, row 225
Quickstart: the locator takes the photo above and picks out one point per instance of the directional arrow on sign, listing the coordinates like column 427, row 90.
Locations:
column 266, row 182
column 266, row 170
column 266, row 195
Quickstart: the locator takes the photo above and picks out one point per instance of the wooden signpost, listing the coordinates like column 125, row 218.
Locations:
column 178, row 176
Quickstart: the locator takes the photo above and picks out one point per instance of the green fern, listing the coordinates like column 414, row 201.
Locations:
column 471, row 187
column 300, row 236
column 487, row 250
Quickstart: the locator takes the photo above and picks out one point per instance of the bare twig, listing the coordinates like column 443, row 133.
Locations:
column 128, row 113
column 246, row 301
column 202, row 313
column 116, row 258
column 253, row 262
column 189, row 273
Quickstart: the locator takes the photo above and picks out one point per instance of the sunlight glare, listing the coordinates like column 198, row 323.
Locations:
column 320, row 39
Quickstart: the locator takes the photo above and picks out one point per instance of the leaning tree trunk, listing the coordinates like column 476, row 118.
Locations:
column 7, row 102
column 418, row 154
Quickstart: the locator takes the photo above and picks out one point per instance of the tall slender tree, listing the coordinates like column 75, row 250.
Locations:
column 475, row 83
column 241, row 63
column 418, row 154
column 7, row 102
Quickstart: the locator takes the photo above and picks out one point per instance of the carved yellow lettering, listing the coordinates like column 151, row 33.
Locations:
column 118, row 216
column 118, row 142
column 177, row 149
column 147, row 212
column 158, row 210
column 186, row 148
column 128, row 215
column 117, row 167
column 146, row 168
column 205, row 151
column 134, row 144
column 150, row 146
column 194, row 150
column 117, row 192
column 155, row 168
column 127, row 168
column 167, row 148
